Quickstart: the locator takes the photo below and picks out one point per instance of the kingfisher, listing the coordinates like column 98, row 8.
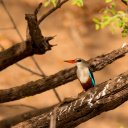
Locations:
column 84, row 74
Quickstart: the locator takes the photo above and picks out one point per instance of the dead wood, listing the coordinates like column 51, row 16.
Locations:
column 73, row 111
column 36, row 43
column 60, row 78
column 7, row 123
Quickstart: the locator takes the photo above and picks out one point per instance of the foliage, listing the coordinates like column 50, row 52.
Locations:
column 112, row 17
column 73, row 2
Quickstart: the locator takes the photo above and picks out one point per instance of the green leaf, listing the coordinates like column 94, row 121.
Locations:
column 113, row 5
column 112, row 30
column 106, row 11
column 113, row 12
column 97, row 26
column 121, row 12
column 117, row 25
column 125, row 0
column 125, row 27
column 96, row 20
column 102, row 25
column 105, row 17
column 46, row 4
column 123, row 35
column 79, row 3
column 73, row 2
column 121, row 127
column 106, row 22
column 108, row 1
column 53, row 2
column 120, row 23
column 124, row 31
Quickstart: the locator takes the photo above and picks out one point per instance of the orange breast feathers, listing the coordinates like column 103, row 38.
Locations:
column 88, row 84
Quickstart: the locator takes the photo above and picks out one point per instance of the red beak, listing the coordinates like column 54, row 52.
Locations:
column 70, row 61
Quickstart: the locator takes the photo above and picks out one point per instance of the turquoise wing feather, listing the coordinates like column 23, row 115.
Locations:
column 92, row 77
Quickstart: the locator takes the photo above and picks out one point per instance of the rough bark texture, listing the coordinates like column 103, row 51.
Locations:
column 59, row 78
column 36, row 44
column 39, row 43
column 7, row 123
column 14, row 54
column 73, row 111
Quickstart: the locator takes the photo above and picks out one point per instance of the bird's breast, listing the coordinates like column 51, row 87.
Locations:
column 83, row 75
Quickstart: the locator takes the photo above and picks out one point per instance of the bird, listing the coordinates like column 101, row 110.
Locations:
column 84, row 74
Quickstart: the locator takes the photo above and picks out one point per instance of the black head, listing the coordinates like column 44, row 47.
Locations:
column 78, row 60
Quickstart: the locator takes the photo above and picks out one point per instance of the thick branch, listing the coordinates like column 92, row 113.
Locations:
column 7, row 123
column 60, row 78
column 74, row 111
column 35, row 44
column 14, row 54
column 39, row 43
column 21, row 51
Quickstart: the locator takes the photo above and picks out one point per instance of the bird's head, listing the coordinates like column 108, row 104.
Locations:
column 77, row 62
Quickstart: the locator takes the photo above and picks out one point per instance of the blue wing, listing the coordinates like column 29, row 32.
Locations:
column 92, row 77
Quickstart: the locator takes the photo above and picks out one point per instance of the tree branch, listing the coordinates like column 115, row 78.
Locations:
column 14, row 54
column 37, row 9
column 73, row 111
column 20, row 51
column 124, row 2
column 27, row 69
column 7, row 123
column 60, row 78
column 59, row 4
column 19, row 105
column 37, row 45
column 12, row 20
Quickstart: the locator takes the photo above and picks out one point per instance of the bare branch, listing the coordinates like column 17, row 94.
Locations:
column 37, row 65
column 19, row 65
column 7, row 123
column 51, row 11
column 27, row 69
column 57, row 95
column 124, row 2
column 19, row 105
column 7, row 28
column 14, row 54
column 76, row 110
column 37, row 9
column 12, row 20
column 60, row 78
column 34, row 37
column 53, row 119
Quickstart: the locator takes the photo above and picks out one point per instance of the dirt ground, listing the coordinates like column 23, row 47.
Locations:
column 76, row 38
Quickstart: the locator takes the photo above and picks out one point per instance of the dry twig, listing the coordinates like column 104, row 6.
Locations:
column 59, row 4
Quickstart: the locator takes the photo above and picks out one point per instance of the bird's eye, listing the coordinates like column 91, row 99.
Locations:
column 79, row 60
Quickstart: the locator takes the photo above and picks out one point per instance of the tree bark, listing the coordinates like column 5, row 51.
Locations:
column 14, row 54
column 7, row 123
column 35, row 44
column 60, row 78
column 73, row 111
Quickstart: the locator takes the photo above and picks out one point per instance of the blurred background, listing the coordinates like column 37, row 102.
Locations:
column 76, row 38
